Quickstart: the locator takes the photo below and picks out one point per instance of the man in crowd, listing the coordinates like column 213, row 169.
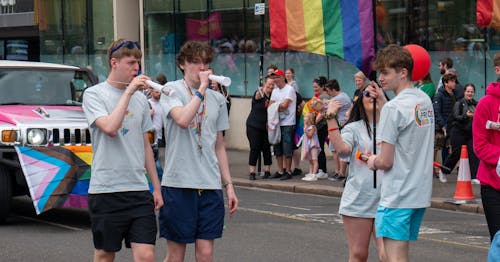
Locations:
column 285, row 95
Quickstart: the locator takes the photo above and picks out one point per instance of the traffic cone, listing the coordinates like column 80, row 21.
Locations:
column 463, row 190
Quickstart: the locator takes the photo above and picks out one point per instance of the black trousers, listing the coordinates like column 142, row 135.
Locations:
column 259, row 142
column 491, row 205
column 322, row 134
column 457, row 139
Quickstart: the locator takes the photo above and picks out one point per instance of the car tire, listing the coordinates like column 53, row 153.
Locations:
column 5, row 193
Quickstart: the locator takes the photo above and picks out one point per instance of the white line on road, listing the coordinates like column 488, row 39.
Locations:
column 50, row 223
column 291, row 207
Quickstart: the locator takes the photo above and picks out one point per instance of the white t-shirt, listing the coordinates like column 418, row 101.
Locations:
column 287, row 117
column 157, row 117
column 185, row 165
column 407, row 122
column 360, row 198
column 117, row 162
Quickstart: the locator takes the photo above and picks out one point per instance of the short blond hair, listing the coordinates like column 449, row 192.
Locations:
column 360, row 75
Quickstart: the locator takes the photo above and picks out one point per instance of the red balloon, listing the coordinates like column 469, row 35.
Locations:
column 421, row 61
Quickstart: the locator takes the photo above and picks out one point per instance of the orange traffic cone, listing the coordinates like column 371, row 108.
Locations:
column 463, row 190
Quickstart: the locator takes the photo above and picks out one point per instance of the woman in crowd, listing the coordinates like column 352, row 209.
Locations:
column 360, row 199
column 290, row 79
column 360, row 83
column 256, row 129
column 425, row 84
column 461, row 132
column 319, row 93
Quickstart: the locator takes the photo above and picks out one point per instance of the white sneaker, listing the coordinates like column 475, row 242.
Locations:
column 442, row 177
column 475, row 181
column 321, row 175
column 311, row 177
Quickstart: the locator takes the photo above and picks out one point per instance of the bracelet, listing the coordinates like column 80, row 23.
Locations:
column 330, row 116
column 226, row 184
column 332, row 129
column 199, row 95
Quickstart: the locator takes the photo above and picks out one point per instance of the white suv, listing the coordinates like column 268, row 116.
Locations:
column 40, row 109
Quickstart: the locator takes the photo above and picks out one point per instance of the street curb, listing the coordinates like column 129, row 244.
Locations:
column 440, row 203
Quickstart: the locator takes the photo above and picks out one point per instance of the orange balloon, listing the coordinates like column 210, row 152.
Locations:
column 421, row 61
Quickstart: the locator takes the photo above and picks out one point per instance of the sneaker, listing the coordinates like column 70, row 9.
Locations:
column 276, row 175
column 321, row 174
column 251, row 176
column 333, row 177
column 442, row 177
column 297, row 172
column 311, row 177
column 475, row 181
column 266, row 175
column 286, row 176
column 340, row 178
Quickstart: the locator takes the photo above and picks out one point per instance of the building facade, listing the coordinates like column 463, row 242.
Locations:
column 77, row 32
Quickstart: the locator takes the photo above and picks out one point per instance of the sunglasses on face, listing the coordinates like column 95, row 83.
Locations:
column 127, row 44
column 366, row 94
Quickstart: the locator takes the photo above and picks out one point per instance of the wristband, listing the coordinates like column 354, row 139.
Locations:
column 333, row 129
column 199, row 95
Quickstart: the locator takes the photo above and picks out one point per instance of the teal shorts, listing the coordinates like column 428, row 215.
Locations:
column 400, row 224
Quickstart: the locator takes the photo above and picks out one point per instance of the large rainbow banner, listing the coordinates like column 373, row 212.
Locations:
column 343, row 28
column 488, row 13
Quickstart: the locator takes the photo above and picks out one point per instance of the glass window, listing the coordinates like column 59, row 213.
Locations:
column 50, row 28
column 101, row 37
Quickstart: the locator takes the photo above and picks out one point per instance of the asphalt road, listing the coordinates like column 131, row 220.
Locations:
column 269, row 226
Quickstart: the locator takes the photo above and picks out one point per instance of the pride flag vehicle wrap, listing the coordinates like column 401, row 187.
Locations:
column 343, row 28
column 56, row 176
column 488, row 13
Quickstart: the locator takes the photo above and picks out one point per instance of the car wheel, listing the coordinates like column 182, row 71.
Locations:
column 5, row 193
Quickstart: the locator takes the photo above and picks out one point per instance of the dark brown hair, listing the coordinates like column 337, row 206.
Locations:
column 395, row 57
column 195, row 52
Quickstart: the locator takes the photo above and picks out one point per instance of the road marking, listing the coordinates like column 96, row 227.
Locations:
column 291, row 207
column 50, row 223
column 271, row 213
column 314, row 218
column 454, row 243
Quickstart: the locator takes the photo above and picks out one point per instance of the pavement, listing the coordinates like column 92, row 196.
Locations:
column 442, row 193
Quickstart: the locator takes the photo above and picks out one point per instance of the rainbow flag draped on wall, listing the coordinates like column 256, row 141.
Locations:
column 343, row 28
column 488, row 13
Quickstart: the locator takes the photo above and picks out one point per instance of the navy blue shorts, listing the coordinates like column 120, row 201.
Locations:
column 122, row 216
column 190, row 214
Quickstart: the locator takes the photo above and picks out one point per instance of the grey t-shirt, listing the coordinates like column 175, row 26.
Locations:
column 117, row 162
column 407, row 122
column 346, row 105
column 185, row 166
column 360, row 198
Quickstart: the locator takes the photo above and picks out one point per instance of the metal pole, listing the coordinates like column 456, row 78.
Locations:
column 373, row 76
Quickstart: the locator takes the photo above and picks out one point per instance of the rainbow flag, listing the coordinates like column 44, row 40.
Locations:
column 56, row 176
column 488, row 13
column 343, row 28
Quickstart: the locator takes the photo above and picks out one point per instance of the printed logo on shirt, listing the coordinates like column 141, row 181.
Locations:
column 424, row 116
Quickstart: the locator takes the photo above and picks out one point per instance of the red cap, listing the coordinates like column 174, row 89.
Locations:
column 278, row 72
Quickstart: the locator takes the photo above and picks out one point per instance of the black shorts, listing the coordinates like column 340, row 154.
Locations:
column 123, row 215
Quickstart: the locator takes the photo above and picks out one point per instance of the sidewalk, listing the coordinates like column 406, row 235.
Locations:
column 441, row 192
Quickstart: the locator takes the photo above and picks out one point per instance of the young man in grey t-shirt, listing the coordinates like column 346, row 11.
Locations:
column 196, row 164
column 406, row 131
column 120, row 203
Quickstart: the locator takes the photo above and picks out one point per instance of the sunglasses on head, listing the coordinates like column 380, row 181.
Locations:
column 127, row 44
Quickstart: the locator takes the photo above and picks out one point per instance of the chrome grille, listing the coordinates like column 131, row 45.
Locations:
column 70, row 136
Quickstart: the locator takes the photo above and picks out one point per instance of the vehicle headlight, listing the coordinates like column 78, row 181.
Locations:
column 37, row 136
